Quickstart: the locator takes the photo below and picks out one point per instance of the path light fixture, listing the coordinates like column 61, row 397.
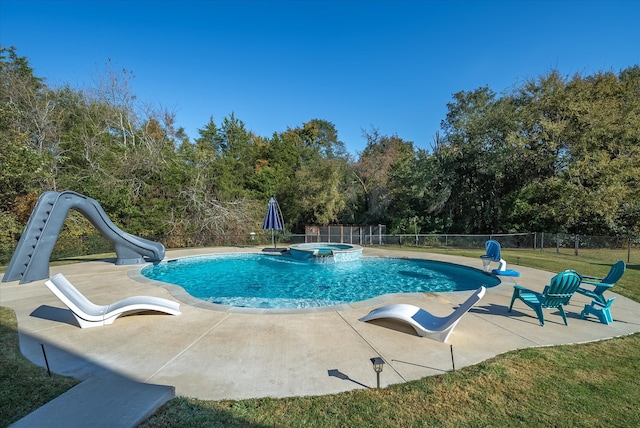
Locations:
column 378, row 364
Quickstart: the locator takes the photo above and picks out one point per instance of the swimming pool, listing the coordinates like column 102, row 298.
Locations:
column 280, row 281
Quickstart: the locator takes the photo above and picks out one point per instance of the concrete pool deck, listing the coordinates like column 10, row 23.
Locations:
column 213, row 353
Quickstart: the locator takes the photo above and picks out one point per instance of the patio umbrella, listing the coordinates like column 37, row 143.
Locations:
column 273, row 219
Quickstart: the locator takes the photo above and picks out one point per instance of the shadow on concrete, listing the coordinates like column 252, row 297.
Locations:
column 523, row 313
column 393, row 324
column 100, row 391
column 51, row 313
column 337, row 373
column 103, row 398
column 110, row 260
column 420, row 365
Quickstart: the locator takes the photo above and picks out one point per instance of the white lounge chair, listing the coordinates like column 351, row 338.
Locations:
column 89, row 314
column 425, row 324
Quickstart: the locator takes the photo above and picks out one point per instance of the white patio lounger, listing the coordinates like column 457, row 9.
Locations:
column 89, row 314
column 425, row 324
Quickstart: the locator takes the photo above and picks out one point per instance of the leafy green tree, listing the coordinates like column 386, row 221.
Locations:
column 229, row 156
column 476, row 153
column 581, row 152
column 373, row 171
column 321, row 138
column 309, row 159
column 236, row 163
column 267, row 174
column 420, row 189
column 26, row 101
column 222, row 165
column 23, row 163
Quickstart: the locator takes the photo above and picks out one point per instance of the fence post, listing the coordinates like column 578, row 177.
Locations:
column 576, row 245
column 557, row 243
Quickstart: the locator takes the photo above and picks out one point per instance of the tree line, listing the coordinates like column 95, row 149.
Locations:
column 555, row 154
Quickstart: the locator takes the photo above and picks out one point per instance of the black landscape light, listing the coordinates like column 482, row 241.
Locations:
column 378, row 364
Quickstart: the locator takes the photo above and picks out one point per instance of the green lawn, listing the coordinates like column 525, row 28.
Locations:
column 23, row 386
column 588, row 262
column 592, row 384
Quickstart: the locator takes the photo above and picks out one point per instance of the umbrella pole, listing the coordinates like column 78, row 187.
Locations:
column 273, row 239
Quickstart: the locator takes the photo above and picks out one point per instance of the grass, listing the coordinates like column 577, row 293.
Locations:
column 590, row 384
column 23, row 386
column 588, row 262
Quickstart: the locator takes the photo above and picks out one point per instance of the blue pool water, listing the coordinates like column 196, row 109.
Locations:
column 279, row 281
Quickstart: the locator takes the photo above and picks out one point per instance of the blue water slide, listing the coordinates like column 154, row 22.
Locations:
column 30, row 261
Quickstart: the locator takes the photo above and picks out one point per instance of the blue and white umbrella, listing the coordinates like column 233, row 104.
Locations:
column 273, row 219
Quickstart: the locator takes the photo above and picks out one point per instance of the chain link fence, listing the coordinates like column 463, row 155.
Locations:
column 559, row 243
column 568, row 244
column 516, row 240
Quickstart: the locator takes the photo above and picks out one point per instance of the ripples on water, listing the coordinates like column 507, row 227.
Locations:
column 279, row 281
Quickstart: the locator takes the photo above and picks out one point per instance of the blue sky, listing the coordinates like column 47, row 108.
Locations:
column 388, row 65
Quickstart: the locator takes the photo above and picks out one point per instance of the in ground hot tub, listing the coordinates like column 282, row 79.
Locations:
column 325, row 252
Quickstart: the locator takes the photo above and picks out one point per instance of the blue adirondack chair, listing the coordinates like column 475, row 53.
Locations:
column 602, row 284
column 493, row 253
column 601, row 310
column 555, row 295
